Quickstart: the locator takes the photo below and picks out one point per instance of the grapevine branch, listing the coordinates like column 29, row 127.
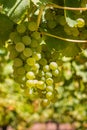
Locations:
column 66, row 8
column 64, row 39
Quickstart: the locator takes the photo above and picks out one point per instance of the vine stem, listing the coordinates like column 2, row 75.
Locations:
column 66, row 8
column 64, row 39
column 39, row 16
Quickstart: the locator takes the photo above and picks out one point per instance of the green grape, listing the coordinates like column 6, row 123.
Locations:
column 13, row 35
column 55, row 72
column 53, row 65
column 75, row 32
column 45, row 102
column 41, row 73
column 36, row 35
column 13, row 54
column 51, row 24
column 21, row 28
column 23, row 57
column 20, row 70
column 37, row 56
column 26, row 40
column 41, row 85
column 43, row 61
column 30, row 83
column 43, row 79
column 49, row 88
column 31, row 61
column 27, row 67
column 35, row 67
column 32, row 26
column 18, row 62
column 34, row 43
column 67, row 29
column 19, row 46
column 17, row 39
column 49, row 81
column 30, row 75
column 48, row 74
column 46, row 68
column 62, row 20
column 27, row 52
column 80, row 22
column 49, row 95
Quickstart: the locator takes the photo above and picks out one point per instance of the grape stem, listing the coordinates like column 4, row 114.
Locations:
column 65, row 8
column 39, row 16
column 64, row 39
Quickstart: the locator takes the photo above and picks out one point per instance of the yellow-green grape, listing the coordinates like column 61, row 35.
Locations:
column 49, row 81
column 62, row 20
column 45, row 102
column 32, row 26
column 36, row 35
column 26, row 40
column 30, row 75
column 43, row 61
column 18, row 62
column 80, row 22
column 55, row 72
column 46, row 68
column 13, row 35
column 49, row 88
column 27, row 52
column 48, row 74
column 41, row 85
column 37, row 56
column 35, row 67
column 21, row 28
column 19, row 46
column 31, row 61
column 53, row 65
column 51, row 24
column 67, row 29
column 49, row 95
column 20, row 70
column 34, row 43
column 31, row 83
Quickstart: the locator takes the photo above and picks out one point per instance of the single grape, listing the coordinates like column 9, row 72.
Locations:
column 26, row 40
column 27, row 52
column 43, row 61
column 32, row 26
column 80, row 22
column 30, row 75
column 19, row 46
column 51, row 24
column 18, row 62
column 34, row 43
column 49, row 95
column 20, row 71
column 36, row 35
column 30, row 83
column 41, row 85
column 48, row 74
column 31, row 61
column 49, row 88
column 21, row 28
column 49, row 81
column 46, row 68
column 55, row 72
column 53, row 65
column 45, row 102
column 37, row 56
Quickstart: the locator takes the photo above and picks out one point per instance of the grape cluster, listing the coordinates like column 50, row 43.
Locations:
column 33, row 66
column 56, row 19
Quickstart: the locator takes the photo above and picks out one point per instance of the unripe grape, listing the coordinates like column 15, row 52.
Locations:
column 53, row 65
column 43, row 61
column 36, row 35
column 55, row 72
column 49, row 88
column 49, row 95
column 46, row 68
column 20, row 70
column 21, row 28
column 41, row 85
column 49, row 81
column 30, row 83
column 27, row 52
column 32, row 26
column 37, row 56
column 31, row 61
column 45, row 102
column 19, row 46
column 80, row 22
column 48, row 74
column 34, row 43
column 30, row 75
column 18, row 62
column 26, row 40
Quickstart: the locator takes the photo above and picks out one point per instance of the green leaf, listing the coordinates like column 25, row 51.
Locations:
column 71, row 50
column 70, row 15
column 6, row 26
column 15, row 8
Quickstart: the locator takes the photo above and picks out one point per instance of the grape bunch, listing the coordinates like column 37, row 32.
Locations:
column 33, row 66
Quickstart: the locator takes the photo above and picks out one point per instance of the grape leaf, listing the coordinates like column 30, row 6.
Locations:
column 15, row 8
column 69, row 15
column 6, row 26
column 71, row 50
